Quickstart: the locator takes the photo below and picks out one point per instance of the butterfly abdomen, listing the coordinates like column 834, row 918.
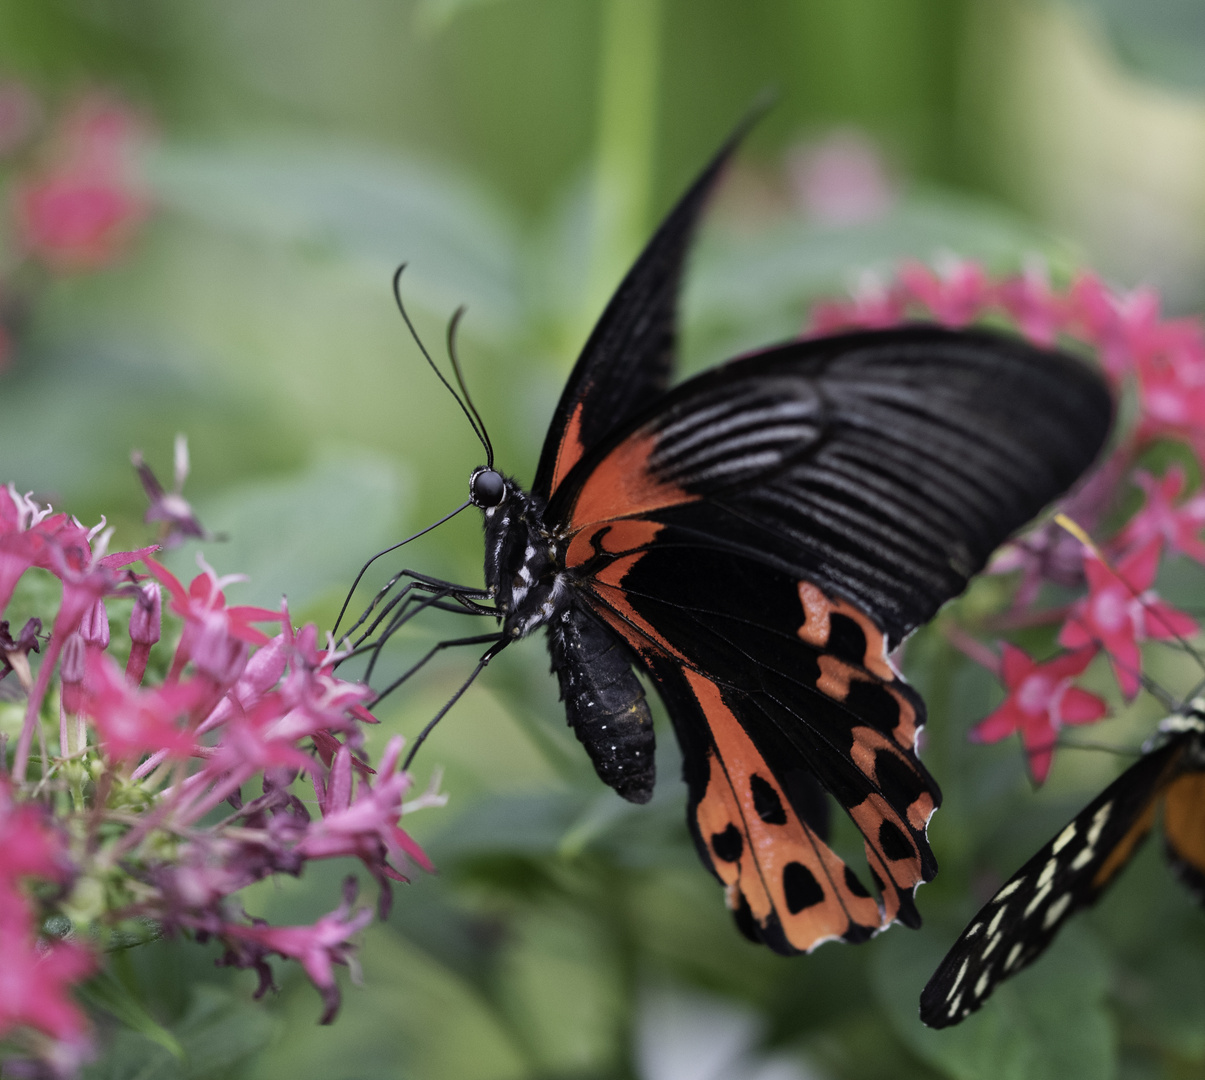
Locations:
column 604, row 702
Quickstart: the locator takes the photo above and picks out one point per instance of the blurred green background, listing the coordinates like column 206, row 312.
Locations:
column 515, row 153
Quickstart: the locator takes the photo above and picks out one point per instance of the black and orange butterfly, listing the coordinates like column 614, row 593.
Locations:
column 756, row 540
column 1074, row 869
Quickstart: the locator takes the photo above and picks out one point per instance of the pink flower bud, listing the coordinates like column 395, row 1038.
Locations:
column 94, row 628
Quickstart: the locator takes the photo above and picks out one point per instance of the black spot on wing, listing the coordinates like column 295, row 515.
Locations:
column 874, row 705
column 728, row 844
column 801, row 888
column 893, row 843
column 766, row 801
column 854, row 885
column 745, row 922
column 846, row 639
column 900, row 784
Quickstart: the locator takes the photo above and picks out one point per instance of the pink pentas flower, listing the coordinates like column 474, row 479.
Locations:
column 76, row 222
column 132, row 721
column 1039, row 312
column 1165, row 514
column 170, row 509
column 81, row 209
column 1121, row 611
column 29, row 844
column 214, row 634
column 35, row 993
column 318, row 948
column 956, row 295
column 1041, row 700
column 1171, row 395
column 842, row 179
column 365, row 825
column 875, row 305
column 237, row 707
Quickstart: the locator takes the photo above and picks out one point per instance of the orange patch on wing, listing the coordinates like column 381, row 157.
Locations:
column 623, row 485
column 835, row 677
column 920, row 810
column 818, row 609
column 905, row 731
column 570, row 451
column 895, row 874
column 1184, row 819
column 782, row 870
column 614, row 606
column 614, row 538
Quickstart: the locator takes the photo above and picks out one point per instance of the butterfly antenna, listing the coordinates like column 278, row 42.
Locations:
column 493, row 651
column 483, row 435
column 393, row 547
column 397, row 299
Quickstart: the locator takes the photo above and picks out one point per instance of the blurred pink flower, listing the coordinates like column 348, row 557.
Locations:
column 841, row 179
column 80, row 210
column 1041, row 699
column 1165, row 514
column 1121, row 611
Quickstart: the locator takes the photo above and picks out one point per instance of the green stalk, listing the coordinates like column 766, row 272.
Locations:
column 625, row 150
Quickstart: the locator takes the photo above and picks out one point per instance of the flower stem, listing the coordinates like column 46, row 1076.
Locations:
column 625, row 150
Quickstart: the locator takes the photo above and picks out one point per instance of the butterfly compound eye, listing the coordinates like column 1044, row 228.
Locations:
column 486, row 488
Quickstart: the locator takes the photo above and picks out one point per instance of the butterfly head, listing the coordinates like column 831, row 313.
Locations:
column 487, row 488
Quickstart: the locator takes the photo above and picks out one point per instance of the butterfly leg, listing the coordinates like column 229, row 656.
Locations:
column 466, row 596
column 480, row 639
column 499, row 643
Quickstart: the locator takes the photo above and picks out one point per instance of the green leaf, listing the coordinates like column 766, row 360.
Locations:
column 304, row 534
column 434, row 15
column 221, row 1030
column 361, row 206
column 104, row 991
column 1048, row 1023
column 1163, row 40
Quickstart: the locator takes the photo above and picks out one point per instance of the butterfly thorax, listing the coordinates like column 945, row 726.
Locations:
column 525, row 573
column 522, row 569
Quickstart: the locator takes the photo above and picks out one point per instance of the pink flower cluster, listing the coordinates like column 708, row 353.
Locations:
column 1161, row 363
column 75, row 195
column 161, row 797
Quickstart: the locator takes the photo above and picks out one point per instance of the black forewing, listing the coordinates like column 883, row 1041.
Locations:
column 629, row 356
column 884, row 466
column 1065, row 876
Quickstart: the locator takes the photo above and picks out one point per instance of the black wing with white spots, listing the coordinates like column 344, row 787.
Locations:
column 1014, row 928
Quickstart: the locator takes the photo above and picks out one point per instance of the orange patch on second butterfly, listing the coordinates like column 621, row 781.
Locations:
column 623, row 485
column 767, row 850
column 1124, row 848
column 1184, row 818
column 818, row 609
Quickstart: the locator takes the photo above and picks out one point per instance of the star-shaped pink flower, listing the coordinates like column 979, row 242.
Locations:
column 956, row 296
column 1121, row 611
column 1041, row 699
column 1039, row 311
column 1166, row 516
